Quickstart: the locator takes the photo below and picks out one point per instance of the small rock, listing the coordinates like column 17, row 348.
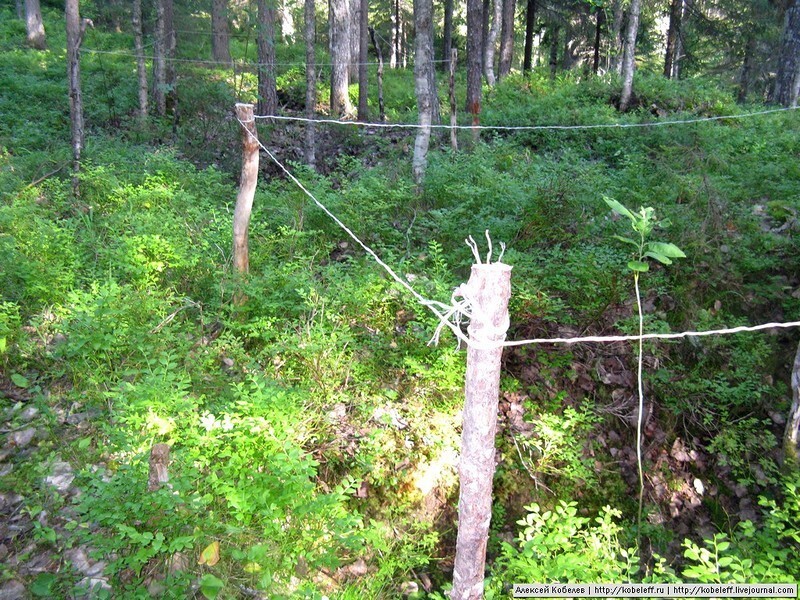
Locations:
column 777, row 418
column 12, row 590
column 61, row 477
column 81, row 562
column 29, row 413
column 358, row 568
column 92, row 587
column 20, row 439
column 228, row 362
column 698, row 486
column 409, row 587
column 6, row 469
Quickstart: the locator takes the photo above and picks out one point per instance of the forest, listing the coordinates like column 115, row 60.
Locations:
column 238, row 350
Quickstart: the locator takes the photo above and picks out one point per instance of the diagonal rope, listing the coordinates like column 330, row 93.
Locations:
column 431, row 304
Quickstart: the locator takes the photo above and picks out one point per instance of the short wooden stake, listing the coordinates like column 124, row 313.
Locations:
column 159, row 467
column 488, row 291
column 247, row 191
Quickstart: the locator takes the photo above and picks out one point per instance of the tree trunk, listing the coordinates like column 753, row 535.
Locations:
column 33, row 22
column 747, row 68
column 423, row 65
column 507, row 38
column 598, row 28
column 159, row 61
column 20, row 9
column 491, row 42
column 395, row 58
column 486, row 14
column 340, row 58
column 220, row 46
column 488, row 291
column 287, row 23
column 141, row 68
column 309, row 35
column 787, row 82
column 530, row 24
column 474, row 57
column 170, row 50
column 247, row 191
column 791, row 437
column 267, row 93
column 673, row 32
column 615, row 62
column 353, row 29
column 453, row 107
column 363, row 41
column 75, row 30
column 629, row 54
column 381, row 106
column 447, row 41
column 554, row 36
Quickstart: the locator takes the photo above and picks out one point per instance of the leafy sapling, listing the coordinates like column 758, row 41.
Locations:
column 643, row 224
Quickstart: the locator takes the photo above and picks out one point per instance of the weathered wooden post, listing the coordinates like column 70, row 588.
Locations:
column 247, row 191
column 487, row 291
column 159, row 467
column 791, row 438
column 75, row 31
column 381, row 106
column 453, row 109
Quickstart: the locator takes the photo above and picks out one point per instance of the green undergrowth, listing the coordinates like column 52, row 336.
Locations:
column 314, row 433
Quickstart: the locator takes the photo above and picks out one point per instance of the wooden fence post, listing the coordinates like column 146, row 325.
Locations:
column 247, row 191
column 488, row 291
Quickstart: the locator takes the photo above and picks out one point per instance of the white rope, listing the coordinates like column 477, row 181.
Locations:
column 525, row 127
column 431, row 304
column 459, row 307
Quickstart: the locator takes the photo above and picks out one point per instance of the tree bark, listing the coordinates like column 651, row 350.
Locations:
column 340, row 58
column 453, row 107
column 507, row 38
column 309, row 35
column 530, row 23
column 787, row 81
column 615, row 62
column 673, row 32
column 747, row 68
column 381, row 105
column 171, row 73
column 20, row 9
column 629, row 54
column 491, row 43
column 247, row 191
column 598, row 28
column 474, row 58
column 75, row 31
column 394, row 51
column 363, row 46
column 267, row 92
column 554, row 36
column 447, row 35
column 791, row 437
column 488, row 291
column 35, row 27
column 220, row 43
column 159, row 61
column 423, row 65
column 141, row 67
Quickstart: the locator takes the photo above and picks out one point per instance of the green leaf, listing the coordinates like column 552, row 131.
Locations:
column 210, row 586
column 722, row 546
column 691, row 554
column 83, row 443
column 43, row 585
column 666, row 249
column 626, row 240
column 19, row 380
column 659, row 257
column 3, row 345
column 638, row 266
column 619, row 208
